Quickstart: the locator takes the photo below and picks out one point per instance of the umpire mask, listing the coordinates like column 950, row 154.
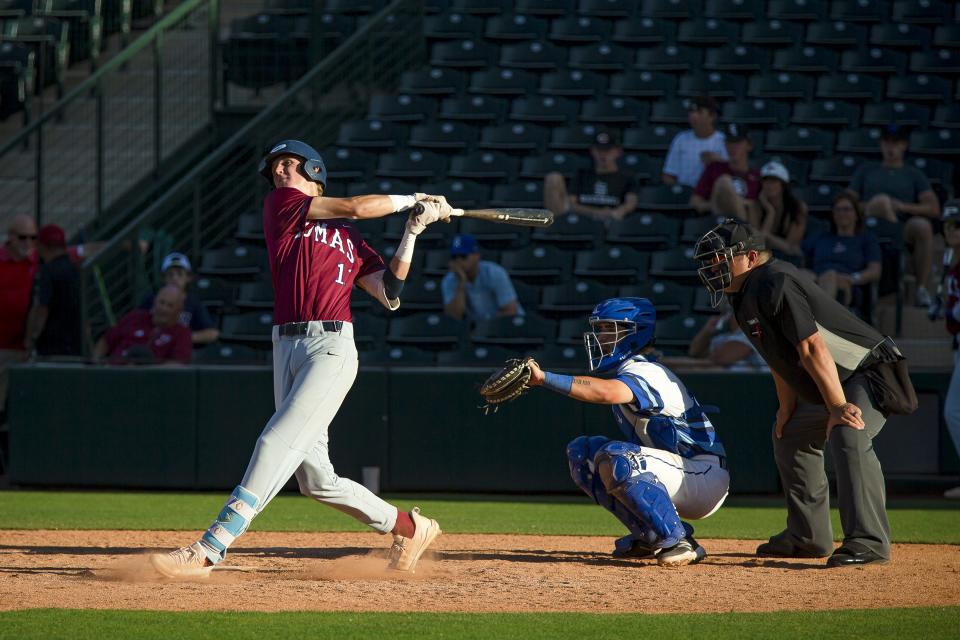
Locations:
column 716, row 249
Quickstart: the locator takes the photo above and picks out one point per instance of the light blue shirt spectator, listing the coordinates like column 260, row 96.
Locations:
column 487, row 291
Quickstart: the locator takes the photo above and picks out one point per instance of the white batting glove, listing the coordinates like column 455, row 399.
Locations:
column 416, row 223
column 445, row 209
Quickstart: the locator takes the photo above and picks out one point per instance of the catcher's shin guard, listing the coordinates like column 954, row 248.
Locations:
column 233, row 520
column 622, row 469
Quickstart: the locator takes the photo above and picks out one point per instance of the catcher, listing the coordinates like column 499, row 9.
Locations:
column 669, row 464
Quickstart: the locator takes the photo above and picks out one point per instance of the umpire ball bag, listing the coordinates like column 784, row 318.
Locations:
column 889, row 379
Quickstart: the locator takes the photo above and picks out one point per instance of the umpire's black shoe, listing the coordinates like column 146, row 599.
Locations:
column 854, row 557
column 780, row 548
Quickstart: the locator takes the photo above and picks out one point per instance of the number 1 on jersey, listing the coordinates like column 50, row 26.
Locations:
column 339, row 279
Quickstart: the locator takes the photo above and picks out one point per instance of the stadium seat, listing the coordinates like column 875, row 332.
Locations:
column 642, row 84
column 733, row 9
column 369, row 134
column 799, row 140
column 757, row 112
column 562, row 356
column 643, row 31
column 573, row 83
column 797, row 166
column 397, row 355
column 936, row 142
column 694, row 228
column 238, row 260
column 837, row 34
column 436, row 262
column 481, row 7
column 703, row 301
column 825, row 113
column 947, row 35
column 401, row 108
column 576, row 30
column 576, row 297
column 564, row 163
column 930, row 12
column 571, row 229
column 667, row 297
column 920, row 88
column 287, row 7
column 411, row 164
column 514, row 27
column 369, row 330
column 946, row 116
column 599, row 57
column 475, row 355
column 433, row 82
column 49, row 38
column 251, row 327
column 427, row 330
column 819, row 197
column 780, row 86
column 570, row 331
column 502, row 82
column 514, row 136
column 538, row 263
column 707, row 31
column 675, row 334
column 645, row 230
column 15, row 9
column 797, row 10
column 674, row 264
column 230, row 354
column 863, row 141
column 938, row 171
column 518, row 331
column 578, row 137
column 463, row 54
column 859, row 10
column 655, row 138
column 452, row 25
column 873, row 60
column 548, row 109
column 214, row 293
column 719, row 85
column 526, row 194
column 463, row 194
column 255, row 295
column 83, row 22
column 903, row 35
column 737, row 59
column 545, row 8
column 382, row 186
column 771, row 33
column 356, row 7
column 611, row 264
column 443, row 135
column 644, row 167
column 669, row 57
column 834, row 169
column 805, row 59
column 849, row 86
column 263, row 50
column 534, row 55
column 617, row 111
column 478, row 108
column 903, row 113
column 671, row 9
column 664, row 198
column 483, row 165
column 250, row 227
column 606, row 8
column 343, row 163
column 942, row 61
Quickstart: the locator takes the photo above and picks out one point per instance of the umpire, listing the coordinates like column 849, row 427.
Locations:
column 837, row 380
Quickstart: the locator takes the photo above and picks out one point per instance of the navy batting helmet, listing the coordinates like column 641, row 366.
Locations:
column 633, row 321
column 311, row 164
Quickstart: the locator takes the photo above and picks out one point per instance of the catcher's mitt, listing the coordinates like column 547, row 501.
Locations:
column 507, row 383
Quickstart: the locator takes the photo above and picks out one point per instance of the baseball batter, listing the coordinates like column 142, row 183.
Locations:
column 670, row 464
column 316, row 257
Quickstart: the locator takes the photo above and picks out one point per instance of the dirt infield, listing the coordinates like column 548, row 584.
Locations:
column 345, row 572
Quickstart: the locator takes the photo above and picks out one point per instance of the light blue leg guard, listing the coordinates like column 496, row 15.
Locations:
column 233, row 520
column 622, row 471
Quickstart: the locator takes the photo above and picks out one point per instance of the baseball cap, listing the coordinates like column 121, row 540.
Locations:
column 775, row 169
column 606, row 139
column 51, row 235
column 894, row 131
column 175, row 260
column 463, row 244
column 703, row 102
column 734, row 132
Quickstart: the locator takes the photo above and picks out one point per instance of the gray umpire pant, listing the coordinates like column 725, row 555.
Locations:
column 860, row 485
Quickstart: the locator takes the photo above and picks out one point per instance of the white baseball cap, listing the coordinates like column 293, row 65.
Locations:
column 775, row 169
column 176, row 260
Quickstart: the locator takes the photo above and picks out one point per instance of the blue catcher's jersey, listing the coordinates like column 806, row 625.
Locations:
column 663, row 415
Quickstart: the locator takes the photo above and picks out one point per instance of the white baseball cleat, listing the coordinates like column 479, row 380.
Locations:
column 185, row 562
column 405, row 552
column 687, row 551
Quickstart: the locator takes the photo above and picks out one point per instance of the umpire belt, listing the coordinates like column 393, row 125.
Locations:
column 313, row 329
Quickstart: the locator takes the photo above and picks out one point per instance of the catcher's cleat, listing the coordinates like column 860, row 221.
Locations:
column 629, row 547
column 185, row 562
column 405, row 552
column 687, row 551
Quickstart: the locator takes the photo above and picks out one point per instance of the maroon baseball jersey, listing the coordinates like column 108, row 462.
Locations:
column 136, row 328
column 747, row 184
column 313, row 262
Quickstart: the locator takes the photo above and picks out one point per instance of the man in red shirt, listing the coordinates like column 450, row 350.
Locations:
column 154, row 335
column 18, row 265
column 728, row 188
column 316, row 256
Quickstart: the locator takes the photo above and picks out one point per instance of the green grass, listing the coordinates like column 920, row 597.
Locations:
column 147, row 625
column 928, row 521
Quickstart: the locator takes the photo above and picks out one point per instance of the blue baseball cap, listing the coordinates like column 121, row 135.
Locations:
column 463, row 244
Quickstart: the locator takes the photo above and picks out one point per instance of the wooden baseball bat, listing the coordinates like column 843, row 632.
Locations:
column 519, row 217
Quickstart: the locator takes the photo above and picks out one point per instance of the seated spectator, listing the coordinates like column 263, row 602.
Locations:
column 17, row 269
column 176, row 270
column 897, row 192
column 951, row 312
column 729, row 188
column 474, row 288
column 604, row 193
column 779, row 216
column 692, row 150
column 53, row 325
column 848, row 257
column 720, row 344
column 154, row 334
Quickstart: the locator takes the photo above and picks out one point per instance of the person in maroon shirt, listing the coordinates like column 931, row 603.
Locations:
column 316, row 257
column 150, row 335
column 729, row 188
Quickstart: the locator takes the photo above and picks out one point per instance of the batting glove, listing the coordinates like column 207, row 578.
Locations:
column 445, row 209
column 416, row 223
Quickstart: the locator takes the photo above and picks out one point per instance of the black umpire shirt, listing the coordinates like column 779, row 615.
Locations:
column 57, row 287
column 777, row 308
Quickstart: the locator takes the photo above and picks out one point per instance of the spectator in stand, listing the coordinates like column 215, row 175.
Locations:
column 729, row 188
column 692, row 150
column 17, row 269
column 604, row 193
column 156, row 334
column 900, row 193
column 53, row 325
column 720, row 344
column 846, row 259
column 476, row 289
column 176, row 270
column 951, row 309
column 777, row 214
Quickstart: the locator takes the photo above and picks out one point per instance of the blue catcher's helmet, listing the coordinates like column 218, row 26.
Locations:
column 311, row 164
column 621, row 328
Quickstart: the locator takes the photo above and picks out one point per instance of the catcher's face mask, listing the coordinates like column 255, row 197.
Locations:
column 605, row 343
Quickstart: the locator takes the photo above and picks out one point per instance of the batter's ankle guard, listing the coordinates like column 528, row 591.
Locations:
column 233, row 520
